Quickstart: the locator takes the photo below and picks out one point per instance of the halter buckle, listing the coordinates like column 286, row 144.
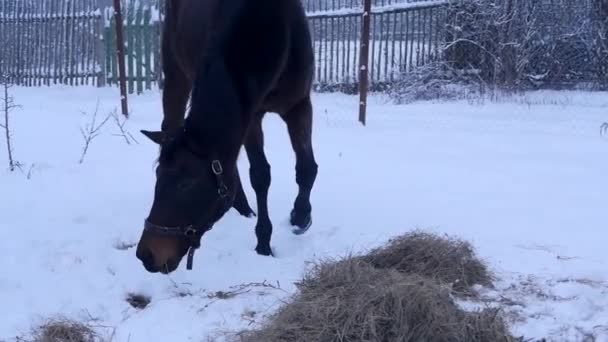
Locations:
column 190, row 231
column 216, row 166
column 222, row 191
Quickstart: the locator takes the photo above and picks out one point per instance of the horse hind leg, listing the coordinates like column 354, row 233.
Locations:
column 299, row 124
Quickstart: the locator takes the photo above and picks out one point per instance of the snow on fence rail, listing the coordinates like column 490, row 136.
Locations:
column 388, row 8
column 73, row 41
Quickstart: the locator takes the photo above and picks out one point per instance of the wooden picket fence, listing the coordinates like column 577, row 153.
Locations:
column 73, row 41
column 142, row 29
column 51, row 42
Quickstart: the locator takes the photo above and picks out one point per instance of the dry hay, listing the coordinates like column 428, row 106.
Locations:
column 400, row 292
column 446, row 259
column 64, row 330
column 351, row 300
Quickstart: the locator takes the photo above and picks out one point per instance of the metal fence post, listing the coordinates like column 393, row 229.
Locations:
column 364, row 61
column 120, row 51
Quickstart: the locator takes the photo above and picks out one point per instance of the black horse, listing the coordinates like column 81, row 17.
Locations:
column 235, row 60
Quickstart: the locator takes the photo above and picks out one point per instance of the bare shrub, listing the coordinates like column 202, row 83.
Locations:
column 91, row 131
column 8, row 105
column 528, row 44
column 120, row 122
column 436, row 81
column 447, row 260
column 350, row 300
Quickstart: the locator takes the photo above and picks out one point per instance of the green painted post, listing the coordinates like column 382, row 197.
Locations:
column 108, row 33
column 147, row 28
column 130, row 38
column 139, row 48
column 155, row 70
column 112, row 47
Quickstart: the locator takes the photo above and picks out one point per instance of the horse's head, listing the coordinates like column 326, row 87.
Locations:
column 192, row 192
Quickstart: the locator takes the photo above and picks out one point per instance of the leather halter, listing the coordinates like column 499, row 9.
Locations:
column 194, row 232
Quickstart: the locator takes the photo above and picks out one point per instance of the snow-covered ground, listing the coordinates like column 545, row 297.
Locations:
column 524, row 179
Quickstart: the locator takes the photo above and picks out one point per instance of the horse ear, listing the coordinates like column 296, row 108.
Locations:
column 158, row 137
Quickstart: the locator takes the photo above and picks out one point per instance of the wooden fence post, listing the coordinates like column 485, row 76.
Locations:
column 120, row 50
column 364, row 61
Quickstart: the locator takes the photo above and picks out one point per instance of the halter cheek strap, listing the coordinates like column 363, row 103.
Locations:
column 195, row 232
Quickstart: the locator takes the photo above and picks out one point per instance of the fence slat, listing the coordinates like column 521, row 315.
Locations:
column 139, row 49
column 147, row 51
column 99, row 65
column 130, row 33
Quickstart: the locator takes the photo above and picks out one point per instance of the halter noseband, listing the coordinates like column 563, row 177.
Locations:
column 193, row 232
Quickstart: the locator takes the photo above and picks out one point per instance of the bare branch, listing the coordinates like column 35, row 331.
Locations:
column 91, row 131
column 464, row 40
column 120, row 123
column 8, row 104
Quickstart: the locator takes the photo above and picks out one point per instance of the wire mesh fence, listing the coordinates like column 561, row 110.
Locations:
column 402, row 35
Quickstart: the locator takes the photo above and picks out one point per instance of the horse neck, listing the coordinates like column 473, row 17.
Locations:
column 220, row 134
column 218, row 141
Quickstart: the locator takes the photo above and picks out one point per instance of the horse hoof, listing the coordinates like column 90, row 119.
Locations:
column 264, row 250
column 246, row 211
column 301, row 224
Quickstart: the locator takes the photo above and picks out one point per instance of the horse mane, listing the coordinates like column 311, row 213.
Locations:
column 215, row 106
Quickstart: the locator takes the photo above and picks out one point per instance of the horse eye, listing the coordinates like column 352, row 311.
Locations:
column 186, row 184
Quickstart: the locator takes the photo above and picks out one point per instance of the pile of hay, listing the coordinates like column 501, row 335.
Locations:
column 447, row 260
column 402, row 292
column 63, row 330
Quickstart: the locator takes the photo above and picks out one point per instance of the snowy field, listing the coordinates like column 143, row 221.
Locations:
column 525, row 179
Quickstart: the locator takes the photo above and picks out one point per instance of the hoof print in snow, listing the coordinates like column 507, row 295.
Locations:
column 138, row 301
column 180, row 293
column 249, row 316
column 123, row 246
column 80, row 220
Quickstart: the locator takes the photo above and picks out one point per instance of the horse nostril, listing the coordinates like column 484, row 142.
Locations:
column 146, row 257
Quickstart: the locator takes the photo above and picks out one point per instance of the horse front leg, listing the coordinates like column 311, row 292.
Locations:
column 260, row 180
column 299, row 124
